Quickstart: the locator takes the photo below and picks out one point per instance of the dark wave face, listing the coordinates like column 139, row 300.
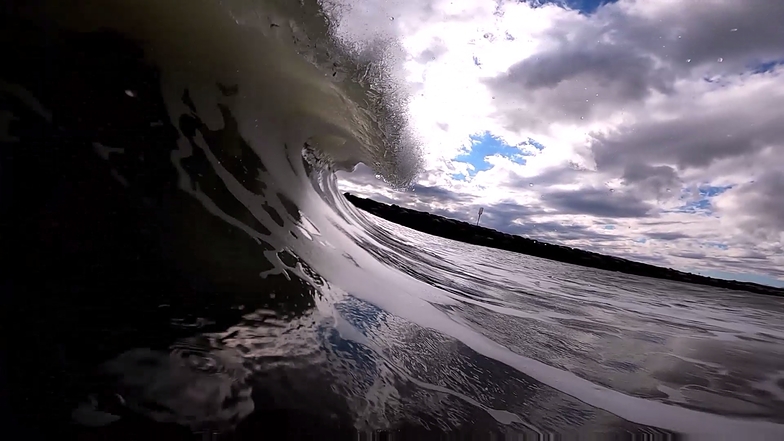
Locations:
column 179, row 261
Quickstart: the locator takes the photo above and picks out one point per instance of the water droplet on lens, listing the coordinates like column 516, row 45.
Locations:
column 531, row 184
column 734, row 30
column 391, row 18
column 720, row 60
column 688, row 60
column 203, row 363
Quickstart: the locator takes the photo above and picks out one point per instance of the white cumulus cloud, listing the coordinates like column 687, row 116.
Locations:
column 660, row 122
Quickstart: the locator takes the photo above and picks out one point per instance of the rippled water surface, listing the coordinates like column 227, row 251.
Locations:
column 691, row 345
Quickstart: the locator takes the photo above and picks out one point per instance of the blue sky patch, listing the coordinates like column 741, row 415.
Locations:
column 766, row 66
column 699, row 206
column 533, row 144
column 703, row 204
column 487, row 144
column 584, row 6
column 708, row 191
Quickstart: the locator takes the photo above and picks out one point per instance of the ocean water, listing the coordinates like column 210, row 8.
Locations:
column 184, row 265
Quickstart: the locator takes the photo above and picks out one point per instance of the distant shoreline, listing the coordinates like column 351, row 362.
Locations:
column 478, row 235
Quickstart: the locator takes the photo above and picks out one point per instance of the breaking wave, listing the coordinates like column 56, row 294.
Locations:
column 188, row 244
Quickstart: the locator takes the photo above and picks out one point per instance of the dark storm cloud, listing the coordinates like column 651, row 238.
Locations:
column 597, row 202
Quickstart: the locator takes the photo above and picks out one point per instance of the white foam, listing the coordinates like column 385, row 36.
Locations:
column 412, row 300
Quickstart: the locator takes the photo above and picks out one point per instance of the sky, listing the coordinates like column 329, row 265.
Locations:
column 650, row 130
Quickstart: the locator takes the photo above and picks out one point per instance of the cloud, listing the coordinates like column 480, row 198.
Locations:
column 660, row 123
column 428, row 193
column 739, row 120
column 575, row 83
column 511, row 217
column 591, row 67
column 597, row 202
column 667, row 236
column 432, row 53
column 757, row 207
